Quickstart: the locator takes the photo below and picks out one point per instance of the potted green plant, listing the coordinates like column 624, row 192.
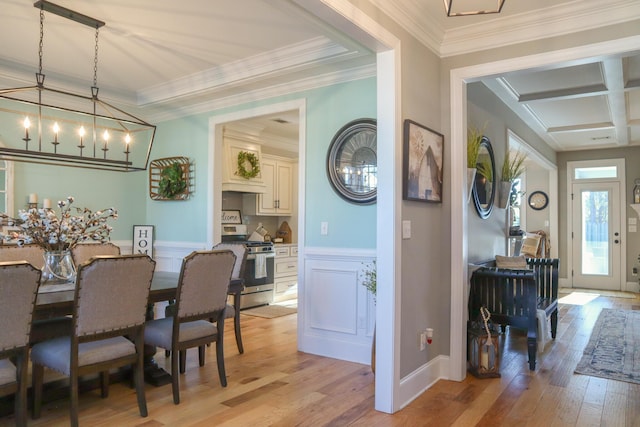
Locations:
column 474, row 137
column 512, row 168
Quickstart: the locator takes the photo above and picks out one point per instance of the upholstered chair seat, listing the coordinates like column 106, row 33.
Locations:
column 159, row 332
column 55, row 353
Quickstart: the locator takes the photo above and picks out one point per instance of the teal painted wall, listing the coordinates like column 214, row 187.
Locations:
column 92, row 189
column 328, row 109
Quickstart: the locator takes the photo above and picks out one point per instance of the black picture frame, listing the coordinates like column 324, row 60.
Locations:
column 143, row 240
column 422, row 163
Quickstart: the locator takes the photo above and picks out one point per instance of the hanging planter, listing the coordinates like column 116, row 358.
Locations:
column 474, row 137
column 504, row 194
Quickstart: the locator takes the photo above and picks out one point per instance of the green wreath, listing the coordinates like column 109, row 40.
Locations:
column 243, row 158
column 172, row 182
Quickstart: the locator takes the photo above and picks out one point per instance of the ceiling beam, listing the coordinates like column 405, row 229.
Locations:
column 613, row 71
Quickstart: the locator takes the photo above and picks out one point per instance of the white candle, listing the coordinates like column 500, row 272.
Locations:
column 484, row 358
column 33, row 198
column 46, row 203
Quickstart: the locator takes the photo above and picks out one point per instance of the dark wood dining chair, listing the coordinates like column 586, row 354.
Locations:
column 201, row 295
column 236, row 286
column 109, row 312
column 19, row 283
column 82, row 252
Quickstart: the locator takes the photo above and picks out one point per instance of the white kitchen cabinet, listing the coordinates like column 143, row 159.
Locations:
column 277, row 199
column 286, row 272
column 230, row 180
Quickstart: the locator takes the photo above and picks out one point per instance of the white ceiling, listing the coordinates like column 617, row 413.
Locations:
column 170, row 58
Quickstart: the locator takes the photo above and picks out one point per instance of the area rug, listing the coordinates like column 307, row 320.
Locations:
column 613, row 350
column 269, row 311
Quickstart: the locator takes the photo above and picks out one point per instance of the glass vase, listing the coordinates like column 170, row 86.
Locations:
column 58, row 268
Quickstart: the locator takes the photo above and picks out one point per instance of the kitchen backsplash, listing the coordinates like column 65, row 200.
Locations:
column 232, row 200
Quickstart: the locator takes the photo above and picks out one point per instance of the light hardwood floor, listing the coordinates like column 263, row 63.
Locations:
column 274, row 385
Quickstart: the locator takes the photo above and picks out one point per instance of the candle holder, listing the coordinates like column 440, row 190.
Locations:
column 483, row 352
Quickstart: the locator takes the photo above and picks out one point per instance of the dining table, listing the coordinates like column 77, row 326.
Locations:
column 56, row 301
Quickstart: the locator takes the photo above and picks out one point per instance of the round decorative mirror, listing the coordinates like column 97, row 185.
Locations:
column 352, row 164
column 484, row 188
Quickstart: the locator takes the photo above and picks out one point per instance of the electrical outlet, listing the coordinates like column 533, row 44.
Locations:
column 634, row 271
column 422, row 338
column 324, row 228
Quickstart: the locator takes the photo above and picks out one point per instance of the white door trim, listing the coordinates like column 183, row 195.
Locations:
column 621, row 179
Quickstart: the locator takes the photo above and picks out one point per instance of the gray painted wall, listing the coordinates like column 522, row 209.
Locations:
column 487, row 237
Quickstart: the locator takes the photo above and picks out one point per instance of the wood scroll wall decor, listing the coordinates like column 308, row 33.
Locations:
column 170, row 178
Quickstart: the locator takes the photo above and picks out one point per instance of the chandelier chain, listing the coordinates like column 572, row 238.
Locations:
column 95, row 60
column 41, row 40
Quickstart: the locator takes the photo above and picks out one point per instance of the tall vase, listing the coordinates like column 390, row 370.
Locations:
column 58, row 268
column 504, row 193
column 471, row 177
column 373, row 351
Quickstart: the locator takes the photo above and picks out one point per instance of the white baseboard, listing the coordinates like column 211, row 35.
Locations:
column 414, row 384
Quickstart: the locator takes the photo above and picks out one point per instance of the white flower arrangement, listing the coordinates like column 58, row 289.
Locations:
column 62, row 232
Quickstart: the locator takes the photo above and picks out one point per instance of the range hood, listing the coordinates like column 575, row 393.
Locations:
column 245, row 188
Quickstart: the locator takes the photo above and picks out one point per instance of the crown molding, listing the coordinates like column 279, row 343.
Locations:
column 309, row 83
column 562, row 19
column 310, row 53
column 428, row 31
column 558, row 20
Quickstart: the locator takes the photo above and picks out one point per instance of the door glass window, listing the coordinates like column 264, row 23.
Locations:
column 595, row 232
column 596, row 172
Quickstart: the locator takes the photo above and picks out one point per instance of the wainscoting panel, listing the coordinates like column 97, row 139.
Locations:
column 337, row 312
column 167, row 255
column 337, row 290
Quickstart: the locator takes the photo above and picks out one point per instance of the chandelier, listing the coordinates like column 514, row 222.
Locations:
column 56, row 127
column 472, row 7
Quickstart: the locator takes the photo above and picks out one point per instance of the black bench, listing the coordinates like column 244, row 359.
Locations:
column 514, row 296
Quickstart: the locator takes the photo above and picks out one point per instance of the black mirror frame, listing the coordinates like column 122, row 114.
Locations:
column 485, row 212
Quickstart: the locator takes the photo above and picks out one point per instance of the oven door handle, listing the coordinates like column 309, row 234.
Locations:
column 267, row 254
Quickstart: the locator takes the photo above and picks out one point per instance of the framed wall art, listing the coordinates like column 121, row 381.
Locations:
column 422, row 163
column 143, row 240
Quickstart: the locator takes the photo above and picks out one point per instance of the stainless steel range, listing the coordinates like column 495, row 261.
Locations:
column 259, row 269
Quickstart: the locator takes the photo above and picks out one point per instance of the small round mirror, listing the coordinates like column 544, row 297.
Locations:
column 484, row 188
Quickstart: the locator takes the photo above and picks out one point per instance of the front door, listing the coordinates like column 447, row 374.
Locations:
column 596, row 235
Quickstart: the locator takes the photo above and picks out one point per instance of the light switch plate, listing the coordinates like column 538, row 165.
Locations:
column 406, row 229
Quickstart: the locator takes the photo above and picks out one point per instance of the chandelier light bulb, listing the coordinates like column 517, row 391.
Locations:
column 105, row 136
column 26, row 123
column 81, row 131
column 127, row 139
column 56, row 128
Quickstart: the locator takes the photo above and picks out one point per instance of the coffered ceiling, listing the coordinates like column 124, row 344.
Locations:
column 170, row 58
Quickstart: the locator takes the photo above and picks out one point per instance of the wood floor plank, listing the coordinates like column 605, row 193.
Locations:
column 273, row 384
